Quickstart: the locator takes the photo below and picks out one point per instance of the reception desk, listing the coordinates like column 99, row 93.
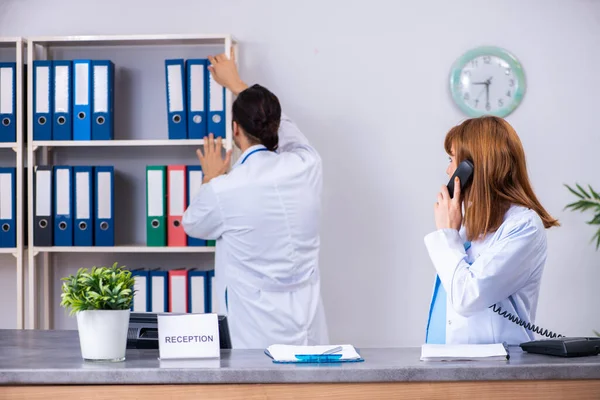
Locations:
column 48, row 364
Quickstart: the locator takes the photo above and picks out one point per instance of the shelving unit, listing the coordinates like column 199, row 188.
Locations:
column 16, row 48
column 39, row 152
column 115, row 143
column 124, row 249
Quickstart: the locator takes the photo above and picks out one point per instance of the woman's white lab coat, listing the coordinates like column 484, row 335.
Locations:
column 505, row 269
column 265, row 217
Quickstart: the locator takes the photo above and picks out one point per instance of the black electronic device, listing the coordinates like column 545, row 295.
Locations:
column 564, row 346
column 464, row 171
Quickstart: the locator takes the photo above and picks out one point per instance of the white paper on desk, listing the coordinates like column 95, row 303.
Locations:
column 283, row 352
column 463, row 352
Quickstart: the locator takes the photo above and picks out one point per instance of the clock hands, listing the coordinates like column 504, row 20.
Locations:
column 487, row 84
column 487, row 92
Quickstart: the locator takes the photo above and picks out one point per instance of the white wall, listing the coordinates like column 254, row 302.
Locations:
column 367, row 83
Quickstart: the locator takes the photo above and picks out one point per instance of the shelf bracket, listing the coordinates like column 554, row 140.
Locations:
column 15, row 149
column 34, row 148
column 35, row 252
column 15, row 255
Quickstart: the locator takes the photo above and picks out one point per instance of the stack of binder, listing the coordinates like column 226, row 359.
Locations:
column 73, row 100
column 8, row 102
column 74, row 206
column 8, row 211
column 195, row 101
column 169, row 191
column 178, row 291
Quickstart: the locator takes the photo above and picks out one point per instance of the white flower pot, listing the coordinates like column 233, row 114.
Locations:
column 103, row 334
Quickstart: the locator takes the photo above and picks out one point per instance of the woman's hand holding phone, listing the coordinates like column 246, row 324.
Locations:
column 448, row 211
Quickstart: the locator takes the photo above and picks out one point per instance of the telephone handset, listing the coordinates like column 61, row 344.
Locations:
column 464, row 171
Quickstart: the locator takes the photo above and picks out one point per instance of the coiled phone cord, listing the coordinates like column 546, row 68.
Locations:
column 526, row 325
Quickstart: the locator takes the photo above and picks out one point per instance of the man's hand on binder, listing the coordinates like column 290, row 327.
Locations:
column 212, row 162
column 225, row 72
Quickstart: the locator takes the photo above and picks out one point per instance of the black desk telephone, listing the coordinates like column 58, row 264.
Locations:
column 557, row 345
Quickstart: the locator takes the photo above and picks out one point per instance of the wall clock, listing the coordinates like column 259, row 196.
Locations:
column 487, row 81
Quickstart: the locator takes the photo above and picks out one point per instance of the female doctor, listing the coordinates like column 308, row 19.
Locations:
column 264, row 215
column 494, row 253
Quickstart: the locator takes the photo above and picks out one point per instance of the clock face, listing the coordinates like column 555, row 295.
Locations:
column 487, row 81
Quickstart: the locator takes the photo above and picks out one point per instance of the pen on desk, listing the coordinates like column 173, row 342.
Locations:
column 334, row 350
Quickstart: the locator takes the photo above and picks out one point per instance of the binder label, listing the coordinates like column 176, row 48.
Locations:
column 6, row 200
column 104, row 185
column 100, row 88
column 63, row 192
column 175, row 88
column 43, row 189
column 42, row 90
column 158, row 294
column 6, row 84
column 216, row 95
column 82, row 197
column 82, row 76
column 155, row 194
column 61, row 89
column 188, row 336
column 176, row 186
column 197, row 84
column 195, row 183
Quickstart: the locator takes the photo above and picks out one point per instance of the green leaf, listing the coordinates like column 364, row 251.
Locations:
column 573, row 191
column 594, row 194
column 582, row 190
column 101, row 288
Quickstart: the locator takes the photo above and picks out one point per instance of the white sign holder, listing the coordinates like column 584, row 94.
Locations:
column 188, row 336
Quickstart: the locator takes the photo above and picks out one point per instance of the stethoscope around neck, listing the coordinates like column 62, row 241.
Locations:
column 252, row 152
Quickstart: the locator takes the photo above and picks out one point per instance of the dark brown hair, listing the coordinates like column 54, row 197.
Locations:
column 258, row 112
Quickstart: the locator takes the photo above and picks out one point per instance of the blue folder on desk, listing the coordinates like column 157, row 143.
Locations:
column 287, row 354
column 8, row 102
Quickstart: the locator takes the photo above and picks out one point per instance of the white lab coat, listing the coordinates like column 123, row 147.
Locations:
column 265, row 217
column 504, row 268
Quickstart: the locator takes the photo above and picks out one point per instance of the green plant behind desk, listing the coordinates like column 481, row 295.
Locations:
column 101, row 299
column 587, row 201
column 104, row 288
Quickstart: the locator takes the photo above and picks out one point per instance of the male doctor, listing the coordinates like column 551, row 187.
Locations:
column 264, row 215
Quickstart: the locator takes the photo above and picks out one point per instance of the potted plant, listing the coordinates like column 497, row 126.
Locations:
column 101, row 299
column 587, row 201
